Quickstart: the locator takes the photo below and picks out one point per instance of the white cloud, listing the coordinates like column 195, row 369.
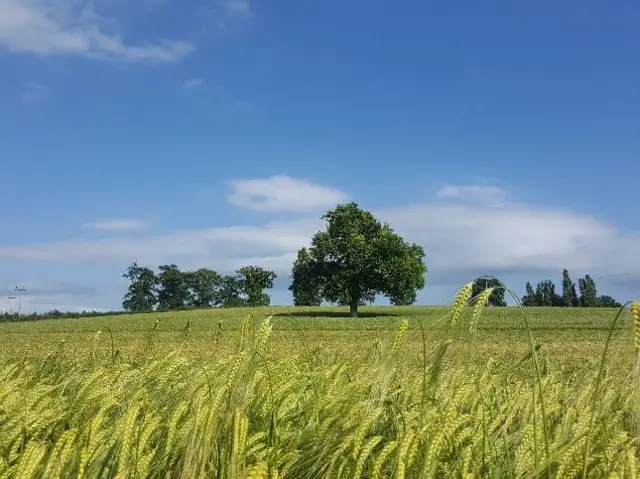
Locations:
column 461, row 242
column 117, row 224
column 473, row 193
column 35, row 92
column 226, row 247
column 235, row 8
column 279, row 193
column 72, row 27
column 468, row 240
column 193, row 83
column 226, row 14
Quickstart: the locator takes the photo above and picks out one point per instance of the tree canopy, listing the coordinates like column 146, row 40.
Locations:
column 141, row 296
column 172, row 289
column 354, row 258
column 204, row 285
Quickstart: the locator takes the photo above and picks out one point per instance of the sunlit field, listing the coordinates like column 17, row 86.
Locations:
column 307, row 393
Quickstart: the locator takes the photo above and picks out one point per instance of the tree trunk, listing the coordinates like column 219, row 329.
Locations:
column 353, row 308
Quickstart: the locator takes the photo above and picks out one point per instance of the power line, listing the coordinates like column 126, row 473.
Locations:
column 632, row 273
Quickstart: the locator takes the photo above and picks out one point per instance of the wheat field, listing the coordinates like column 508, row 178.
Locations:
column 278, row 392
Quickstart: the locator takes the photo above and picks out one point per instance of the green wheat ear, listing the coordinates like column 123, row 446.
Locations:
column 481, row 301
column 244, row 331
column 400, row 335
column 635, row 314
column 458, row 305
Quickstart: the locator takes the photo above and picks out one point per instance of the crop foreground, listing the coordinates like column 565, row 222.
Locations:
column 252, row 413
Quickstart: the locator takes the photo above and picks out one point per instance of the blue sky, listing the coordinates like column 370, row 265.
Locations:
column 504, row 137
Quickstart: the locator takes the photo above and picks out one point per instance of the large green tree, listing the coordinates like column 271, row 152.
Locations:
column 141, row 295
column 173, row 292
column 356, row 257
column 497, row 295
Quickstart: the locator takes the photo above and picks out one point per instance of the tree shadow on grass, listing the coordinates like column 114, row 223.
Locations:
column 333, row 314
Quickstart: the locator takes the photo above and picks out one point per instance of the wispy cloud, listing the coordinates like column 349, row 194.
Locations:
column 117, row 225
column 235, row 8
column 461, row 241
column 279, row 193
column 224, row 14
column 473, row 193
column 35, row 92
column 193, row 84
column 70, row 27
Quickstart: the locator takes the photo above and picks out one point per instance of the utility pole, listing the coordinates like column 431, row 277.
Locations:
column 20, row 290
column 11, row 298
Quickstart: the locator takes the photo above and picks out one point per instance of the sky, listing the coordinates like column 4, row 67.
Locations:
column 504, row 137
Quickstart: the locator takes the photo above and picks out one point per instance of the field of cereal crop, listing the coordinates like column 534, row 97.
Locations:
column 304, row 393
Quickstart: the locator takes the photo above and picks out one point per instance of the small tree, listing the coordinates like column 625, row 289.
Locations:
column 356, row 257
column 141, row 294
column 174, row 288
column 605, row 301
column 229, row 295
column 497, row 295
column 254, row 280
column 305, row 284
column 203, row 285
column 529, row 299
column 546, row 294
column 569, row 296
column 405, row 298
column 588, row 292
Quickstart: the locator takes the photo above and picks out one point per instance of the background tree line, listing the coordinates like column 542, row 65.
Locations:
column 173, row 289
column 586, row 296
column 9, row 317
column 349, row 262
column 545, row 293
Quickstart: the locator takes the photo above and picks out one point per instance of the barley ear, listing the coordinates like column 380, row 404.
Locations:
column 244, row 332
column 458, row 305
column 258, row 471
column 400, row 335
column 481, row 301
column 635, row 315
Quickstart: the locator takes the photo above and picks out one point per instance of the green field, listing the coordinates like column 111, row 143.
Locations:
column 313, row 393
column 568, row 336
